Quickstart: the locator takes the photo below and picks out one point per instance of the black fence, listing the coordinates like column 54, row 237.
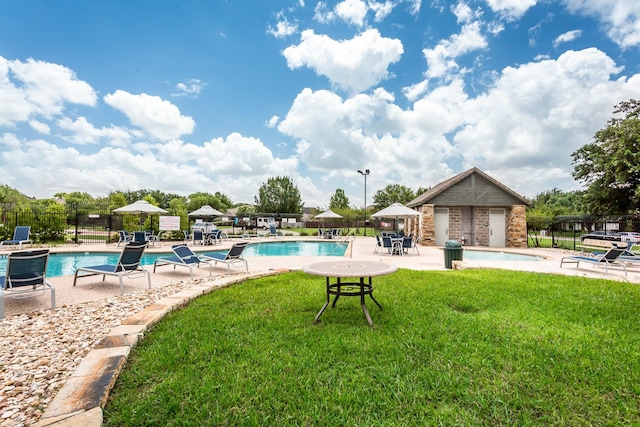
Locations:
column 72, row 223
column 565, row 233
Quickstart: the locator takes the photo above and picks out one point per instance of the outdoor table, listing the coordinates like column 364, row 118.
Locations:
column 360, row 270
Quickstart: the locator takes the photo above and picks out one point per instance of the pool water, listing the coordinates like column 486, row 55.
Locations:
column 480, row 255
column 65, row 264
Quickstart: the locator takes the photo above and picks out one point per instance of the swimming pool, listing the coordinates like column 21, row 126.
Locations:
column 65, row 264
column 480, row 255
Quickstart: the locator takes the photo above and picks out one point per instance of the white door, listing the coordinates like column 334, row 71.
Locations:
column 496, row 227
column 441, row 225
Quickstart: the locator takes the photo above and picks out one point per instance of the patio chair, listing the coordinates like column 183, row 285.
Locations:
column 140, row 237
column 273, row 231
column 386, row 244
column 21, row 234
column 124, row 237
column 409, row 243
column 128, row 265
column 152, row 239
column 26, row 277
column 183, row 257
column 198, row 237
column 378, row 245
column 609, row 258
column 234, row 256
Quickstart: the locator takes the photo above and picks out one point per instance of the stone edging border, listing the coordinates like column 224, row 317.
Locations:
column 80, row 400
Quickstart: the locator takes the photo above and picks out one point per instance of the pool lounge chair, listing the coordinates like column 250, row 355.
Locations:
column 234, row 256
column 128, row 265
column 611, row 258
column 21, row 234
column 183, row 257
column 26, row 277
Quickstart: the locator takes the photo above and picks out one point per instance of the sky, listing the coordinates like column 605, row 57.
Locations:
column 212, row 95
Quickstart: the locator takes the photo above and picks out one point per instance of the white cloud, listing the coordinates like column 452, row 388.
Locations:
column 441, row 59
column 235, row 165
column 415, row 6
column 322, row 14
column 40, row 127
column 620, row 18
column 352, row 11
column 511, row 9
column 537, row 114
column 567, row 37
column 381, row 10
column 33, row 89
column 463, row 13
column 353, row 65
column 521, row 131
column 283, row 27
column 83, row 132
column 191, row 88
column 159, row 118
column 272, row 122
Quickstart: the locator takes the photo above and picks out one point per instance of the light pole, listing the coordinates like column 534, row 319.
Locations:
column 365, row 173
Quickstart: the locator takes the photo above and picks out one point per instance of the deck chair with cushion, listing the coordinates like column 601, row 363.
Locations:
column 128, row 265
column 182, row 256
column 26, row 277
column 611, row 258
column 234, row 256
column 20, row 235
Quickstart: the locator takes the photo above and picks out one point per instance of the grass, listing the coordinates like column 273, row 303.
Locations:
column 474, row 347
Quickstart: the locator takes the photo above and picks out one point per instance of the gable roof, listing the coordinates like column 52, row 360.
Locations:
column 442, row 187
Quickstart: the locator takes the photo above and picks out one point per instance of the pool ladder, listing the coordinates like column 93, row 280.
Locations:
column 349, row 236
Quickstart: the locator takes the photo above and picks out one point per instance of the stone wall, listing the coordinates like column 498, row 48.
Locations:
column 428, row 229
column 517, row 227
column 481, row 226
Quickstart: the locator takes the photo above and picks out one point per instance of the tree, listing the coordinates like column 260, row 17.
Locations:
column 279, row 195
column 610, row 165
column 551, row 203
column 339, row 201
column 199, row 199
column 392, row 193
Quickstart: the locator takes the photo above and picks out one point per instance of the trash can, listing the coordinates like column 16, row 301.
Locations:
column 452, row 252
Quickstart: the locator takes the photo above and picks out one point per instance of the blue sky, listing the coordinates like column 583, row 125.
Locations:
column 189, row 96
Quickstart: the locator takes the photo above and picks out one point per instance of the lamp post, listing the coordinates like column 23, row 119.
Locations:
column 365, row 173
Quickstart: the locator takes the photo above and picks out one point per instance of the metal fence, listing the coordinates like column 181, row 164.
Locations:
column 565, row 232
column 73, row 223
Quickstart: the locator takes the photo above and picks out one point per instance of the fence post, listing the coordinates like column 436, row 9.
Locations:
column 75, row 237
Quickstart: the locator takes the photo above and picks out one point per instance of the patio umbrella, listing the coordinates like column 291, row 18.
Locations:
column 328, row 214
column 140, row 207
column 396, row 210
column 206, row 211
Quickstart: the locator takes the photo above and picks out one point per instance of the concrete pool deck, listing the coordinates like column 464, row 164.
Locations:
column 430, row 258
column 61, row 364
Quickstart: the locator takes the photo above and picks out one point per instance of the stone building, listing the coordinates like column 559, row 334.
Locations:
column 473, row 208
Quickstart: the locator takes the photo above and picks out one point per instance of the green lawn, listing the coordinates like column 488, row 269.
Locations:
column 474, row 347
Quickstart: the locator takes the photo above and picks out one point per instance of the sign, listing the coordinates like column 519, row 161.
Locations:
column 169, row 223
